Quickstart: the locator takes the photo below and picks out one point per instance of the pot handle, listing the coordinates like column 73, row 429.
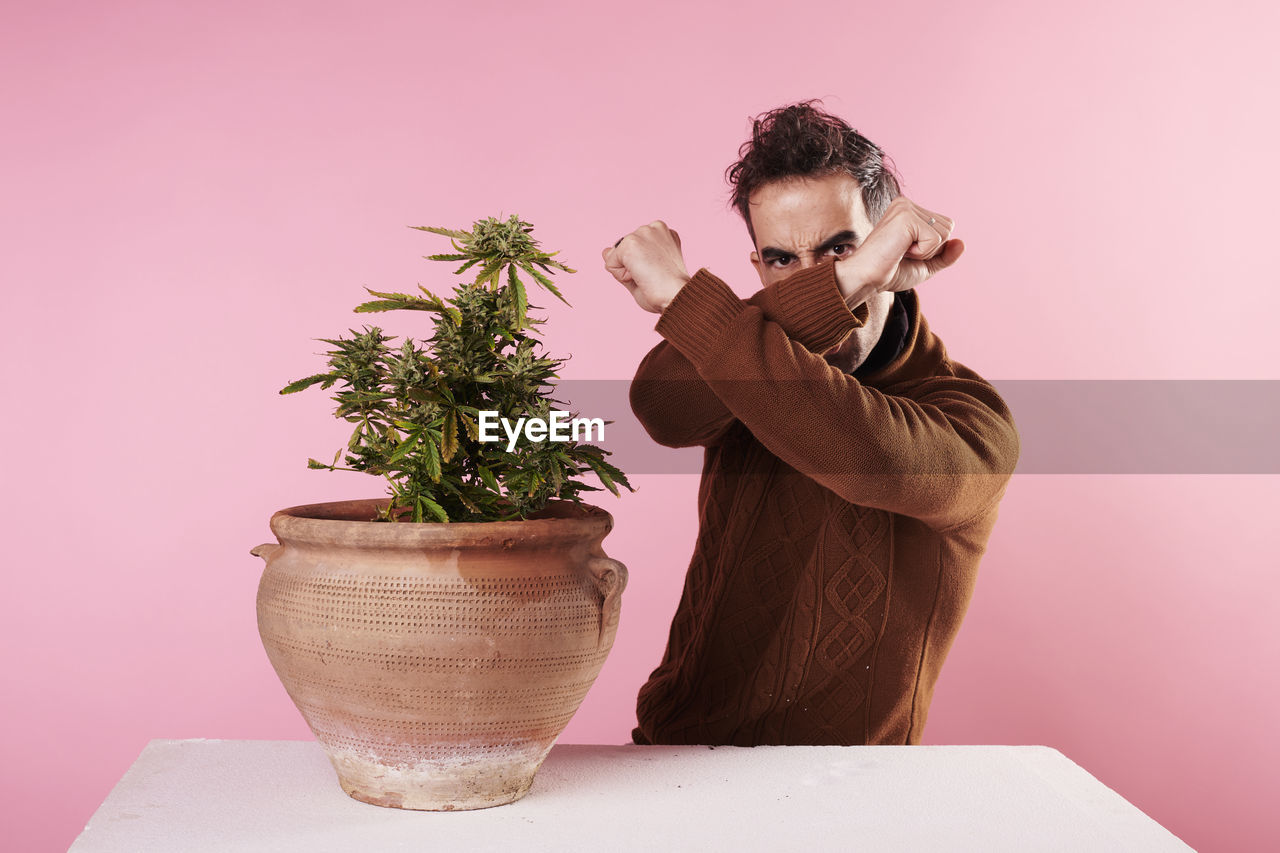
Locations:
column 611, row 580
column 265, row 550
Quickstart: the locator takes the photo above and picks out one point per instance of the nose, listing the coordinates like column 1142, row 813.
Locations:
column 810, row 259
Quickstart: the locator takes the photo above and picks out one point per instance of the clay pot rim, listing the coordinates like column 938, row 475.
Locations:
column 350, row 523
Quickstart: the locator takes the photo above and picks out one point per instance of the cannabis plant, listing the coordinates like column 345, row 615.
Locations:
column 416, row 406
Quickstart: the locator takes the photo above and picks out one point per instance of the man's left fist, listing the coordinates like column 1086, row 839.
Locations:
column 649, row 264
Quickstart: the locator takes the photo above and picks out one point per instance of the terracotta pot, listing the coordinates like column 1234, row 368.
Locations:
column 437, row 663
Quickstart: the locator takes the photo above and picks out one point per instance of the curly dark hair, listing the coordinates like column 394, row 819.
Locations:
column 801, row 141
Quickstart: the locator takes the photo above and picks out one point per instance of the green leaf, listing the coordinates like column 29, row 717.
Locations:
column 397, row 301
column 617, row 475
column 314, row 463
column 431, row 296
column 546, row 262
column 432, row 458
column 486, row 476
column 294, row 387
column 491, row 269
column 517, row 287
column 432, row 507
column 405, row 446
column 422, row 395
column 598, row 465
column 445, row 232
column 378, row 306
column 467, row 502
column 544, row 281
column 448, row 257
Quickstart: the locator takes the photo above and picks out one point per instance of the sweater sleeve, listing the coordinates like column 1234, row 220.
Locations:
column 943, row 454
column 677, row 407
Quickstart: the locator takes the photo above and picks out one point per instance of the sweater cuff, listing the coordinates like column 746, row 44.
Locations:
column 698, row 315
column 811, row 308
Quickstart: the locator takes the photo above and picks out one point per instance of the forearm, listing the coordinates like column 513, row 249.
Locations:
column 675, row 404
column 941, row 454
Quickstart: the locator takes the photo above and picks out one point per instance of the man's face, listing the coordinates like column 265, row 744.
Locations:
column 801, row 222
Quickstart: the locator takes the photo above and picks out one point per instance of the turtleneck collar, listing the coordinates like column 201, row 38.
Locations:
column 906, row 349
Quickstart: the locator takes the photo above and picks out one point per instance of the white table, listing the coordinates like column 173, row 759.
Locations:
column 198, row 795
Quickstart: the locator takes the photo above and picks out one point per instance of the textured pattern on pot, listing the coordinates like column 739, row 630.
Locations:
column 438, row 663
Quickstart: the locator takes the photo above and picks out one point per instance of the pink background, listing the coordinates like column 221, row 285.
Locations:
column 191, row 195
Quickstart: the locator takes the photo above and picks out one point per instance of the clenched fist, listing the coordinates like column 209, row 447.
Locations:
column 907, row 246
column 649, row 264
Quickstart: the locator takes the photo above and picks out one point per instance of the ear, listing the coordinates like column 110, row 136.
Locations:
column 755, row 262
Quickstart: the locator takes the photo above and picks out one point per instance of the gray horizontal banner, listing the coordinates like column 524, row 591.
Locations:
column 1220, row 426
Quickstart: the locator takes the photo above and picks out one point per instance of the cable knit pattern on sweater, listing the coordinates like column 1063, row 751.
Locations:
column 842, row 516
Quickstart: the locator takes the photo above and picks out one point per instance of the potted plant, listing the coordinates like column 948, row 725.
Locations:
column 437, row 641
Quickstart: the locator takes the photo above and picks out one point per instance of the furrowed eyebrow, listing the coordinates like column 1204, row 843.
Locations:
column 837, row 239
column 771, row 253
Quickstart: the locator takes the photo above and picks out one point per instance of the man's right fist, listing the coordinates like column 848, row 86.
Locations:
column 907, row 246
column 648, row 262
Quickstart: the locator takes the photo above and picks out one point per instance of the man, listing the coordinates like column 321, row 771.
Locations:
column 852, row 470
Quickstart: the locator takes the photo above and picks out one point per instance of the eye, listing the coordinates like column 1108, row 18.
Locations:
column 841, row 250
column 780, row 261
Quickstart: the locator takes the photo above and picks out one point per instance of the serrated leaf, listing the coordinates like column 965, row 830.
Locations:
column 405, row 446
column 468, row 424
column 396, row 302
column 486, row 476
column 421, row 395
column 522, row 300
column 545, row 282
column 432, row 507
column 377, row 306
column 489, row 272
column 445, row 232
column 431, row 297
column 602, row 472
column 614, row 472
column 294, row 387
column 546, row 263
column 449, row 436
column 432, row 458
column 467, row 502
column 447, row 257
column 317, row 464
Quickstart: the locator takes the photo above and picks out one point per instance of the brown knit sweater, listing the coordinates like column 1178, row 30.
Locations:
column 841, row 516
